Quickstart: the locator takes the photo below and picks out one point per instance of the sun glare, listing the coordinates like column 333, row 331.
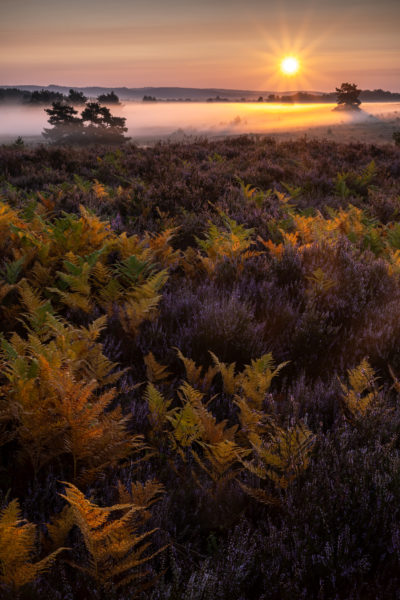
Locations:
column 290, row 65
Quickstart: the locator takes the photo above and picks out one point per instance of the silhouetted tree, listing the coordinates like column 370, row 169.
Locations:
column 76, row 98
column 46, row 97
column 67, row 128
column 396, row 137
column 95, row 125
column 102, row 126
column 14, row 95
column 348, row 95
column 110, row 98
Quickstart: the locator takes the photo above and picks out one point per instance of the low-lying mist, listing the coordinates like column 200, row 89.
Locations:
column 161, row 119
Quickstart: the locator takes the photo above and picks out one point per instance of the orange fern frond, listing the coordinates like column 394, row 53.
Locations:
column 17, row 545
column 115, row 546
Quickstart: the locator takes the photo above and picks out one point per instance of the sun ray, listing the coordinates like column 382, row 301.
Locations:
column 302, row 42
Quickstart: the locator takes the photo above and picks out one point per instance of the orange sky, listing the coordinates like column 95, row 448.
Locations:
column 231, row 44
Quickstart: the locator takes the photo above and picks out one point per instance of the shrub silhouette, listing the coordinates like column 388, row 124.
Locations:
column 76, row 98
column 96, row 125
column 348, row 95
column 110, row 98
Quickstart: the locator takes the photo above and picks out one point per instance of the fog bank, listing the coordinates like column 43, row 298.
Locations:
column 214, row 119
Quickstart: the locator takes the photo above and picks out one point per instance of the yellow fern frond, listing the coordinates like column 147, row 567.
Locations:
column 320, row 283
column 110, row 293
column 253, row 422
column 209, row 430
column 154, row 370
column 160, row 248
column 255, row 380
column 30, row 298
column 284, row 456
column 259, row 494
column 227, row 373
column 158, row 408
column 362, row 392
column 186, row 427
column 221, row 458
column 129, row 246
column 134, row 312
column 74, row 300
column 99, row 190
column 94, row 232
column 193, row 372
column 150, row 288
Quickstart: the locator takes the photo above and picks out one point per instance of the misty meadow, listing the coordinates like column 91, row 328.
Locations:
column 148, row 122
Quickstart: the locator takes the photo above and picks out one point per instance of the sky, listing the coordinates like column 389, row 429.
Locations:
column 206, row 43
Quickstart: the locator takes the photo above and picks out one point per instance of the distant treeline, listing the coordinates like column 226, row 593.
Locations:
column 47, row 97
column 365, row 96
column 298, row 97
column 76, row 98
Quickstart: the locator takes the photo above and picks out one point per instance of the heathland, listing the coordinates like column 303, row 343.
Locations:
column 200, row 383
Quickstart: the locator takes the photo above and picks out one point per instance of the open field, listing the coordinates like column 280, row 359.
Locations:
column 203, row 337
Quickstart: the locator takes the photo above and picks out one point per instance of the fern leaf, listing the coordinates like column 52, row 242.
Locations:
column 17, row 545
column 115, row 546
column 154, row 370
column 158, row 408
column 227, row 373
column 362, row 392
column 193, row 372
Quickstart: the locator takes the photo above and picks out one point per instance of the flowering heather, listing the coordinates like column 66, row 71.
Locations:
column 200, row 383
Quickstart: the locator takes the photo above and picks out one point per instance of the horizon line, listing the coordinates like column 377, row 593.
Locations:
column 179, row 87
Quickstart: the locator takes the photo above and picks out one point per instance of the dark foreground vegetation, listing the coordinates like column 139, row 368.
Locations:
column 200, row 381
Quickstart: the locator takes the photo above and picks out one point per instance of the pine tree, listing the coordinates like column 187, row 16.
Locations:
column 76, row 98
column 95, row 125
column 67, row 128
column 102, row 126
column 348, row 95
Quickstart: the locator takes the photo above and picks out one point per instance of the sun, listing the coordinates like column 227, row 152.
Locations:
column 290, row 65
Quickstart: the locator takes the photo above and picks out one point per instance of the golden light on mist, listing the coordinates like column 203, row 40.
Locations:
column 290, row 65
